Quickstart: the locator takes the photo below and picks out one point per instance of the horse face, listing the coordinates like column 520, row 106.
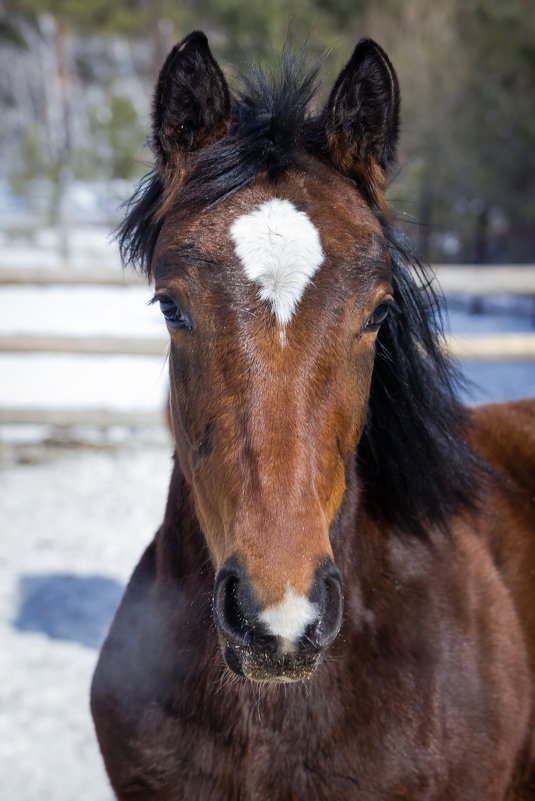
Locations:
column 273, row 275
column 277, row 299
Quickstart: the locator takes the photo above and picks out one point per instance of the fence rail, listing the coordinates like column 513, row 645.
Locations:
column 482, row 347
column 67, row 418
column 477, row 281
column 96, row 345
column 482, row 280
column 492, row 347
column 48, row 276
column 470, row 279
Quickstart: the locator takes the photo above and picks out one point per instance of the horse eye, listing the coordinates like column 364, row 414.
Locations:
column 376, row 317
column 175, row 317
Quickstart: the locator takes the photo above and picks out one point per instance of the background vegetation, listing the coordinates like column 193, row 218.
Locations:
column 77, row 77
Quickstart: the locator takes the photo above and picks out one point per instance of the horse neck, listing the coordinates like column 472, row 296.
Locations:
column 359, row 538
column 180, row 546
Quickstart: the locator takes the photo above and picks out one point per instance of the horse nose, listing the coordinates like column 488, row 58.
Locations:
column 327, row 595
column 234, row 605
column 312, row 623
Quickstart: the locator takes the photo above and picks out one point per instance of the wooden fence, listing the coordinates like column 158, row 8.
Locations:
column 480, row 347
column 473, row 280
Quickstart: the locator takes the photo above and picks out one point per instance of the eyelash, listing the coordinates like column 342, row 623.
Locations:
column 378, row 316
column 175, row 316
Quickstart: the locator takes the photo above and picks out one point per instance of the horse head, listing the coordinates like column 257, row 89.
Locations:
column 273, row 274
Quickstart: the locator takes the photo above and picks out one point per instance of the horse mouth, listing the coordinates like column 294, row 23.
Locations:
column 266, row 666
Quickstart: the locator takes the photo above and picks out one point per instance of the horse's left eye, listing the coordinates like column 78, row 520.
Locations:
column 376, row 317
column 175, row 317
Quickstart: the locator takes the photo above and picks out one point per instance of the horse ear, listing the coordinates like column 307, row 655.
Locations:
column 191, row 107
column 361, row 117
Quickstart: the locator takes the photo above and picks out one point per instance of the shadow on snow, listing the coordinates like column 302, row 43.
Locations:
column 68, row 607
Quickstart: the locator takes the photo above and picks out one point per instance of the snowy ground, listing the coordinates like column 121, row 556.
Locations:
column 72, row 530
column 74, row 520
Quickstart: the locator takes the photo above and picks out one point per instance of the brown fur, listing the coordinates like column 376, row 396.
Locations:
column 427, row 692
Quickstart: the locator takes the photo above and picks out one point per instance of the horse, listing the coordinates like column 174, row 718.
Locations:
column 339, row 603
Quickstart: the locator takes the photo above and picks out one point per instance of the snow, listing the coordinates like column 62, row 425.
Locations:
column 65, row 381
column 73, row 521
column 82, row 381
column 495, row 381
column 26, row 243
column 86, row 310
column 72, row 531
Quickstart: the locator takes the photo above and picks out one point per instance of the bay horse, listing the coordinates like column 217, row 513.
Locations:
column 340, row 602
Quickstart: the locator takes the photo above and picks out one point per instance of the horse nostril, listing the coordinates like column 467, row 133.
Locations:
column 328, row 591
column 229, row 612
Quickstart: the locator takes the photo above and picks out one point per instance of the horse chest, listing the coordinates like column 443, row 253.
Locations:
column 289, row 748
column 253, row 761
column 249, row 758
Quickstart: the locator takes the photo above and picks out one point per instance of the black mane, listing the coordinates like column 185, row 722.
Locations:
column 417, row 467
column 413, row 459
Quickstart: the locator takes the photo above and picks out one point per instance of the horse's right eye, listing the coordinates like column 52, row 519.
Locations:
column 175, row 317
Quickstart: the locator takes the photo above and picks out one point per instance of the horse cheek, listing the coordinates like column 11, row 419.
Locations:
column 356, row 395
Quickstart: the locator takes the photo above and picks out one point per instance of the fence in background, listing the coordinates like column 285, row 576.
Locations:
column 475, row 281
column 471, row 279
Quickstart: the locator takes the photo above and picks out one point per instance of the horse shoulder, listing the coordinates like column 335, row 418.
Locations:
column 504, row 433
column 131, row 684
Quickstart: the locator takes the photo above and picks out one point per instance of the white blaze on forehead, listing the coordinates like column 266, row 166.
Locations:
column 289, row 618
column 280, row 250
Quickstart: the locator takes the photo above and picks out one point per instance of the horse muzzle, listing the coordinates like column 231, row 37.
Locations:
column 284, row 642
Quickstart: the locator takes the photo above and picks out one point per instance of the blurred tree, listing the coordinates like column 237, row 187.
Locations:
column 9, row 33
column 55, row 20
column 99, row 16
column 467, row 71
column 496, row 132
column 466, row 67
column 113, row 148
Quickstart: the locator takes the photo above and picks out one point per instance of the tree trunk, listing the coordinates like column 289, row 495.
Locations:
column 481, row 235
column 65, row 145
column 425, row 222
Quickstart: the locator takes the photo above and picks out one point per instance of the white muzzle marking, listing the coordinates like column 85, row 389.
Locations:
column 289, row 618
